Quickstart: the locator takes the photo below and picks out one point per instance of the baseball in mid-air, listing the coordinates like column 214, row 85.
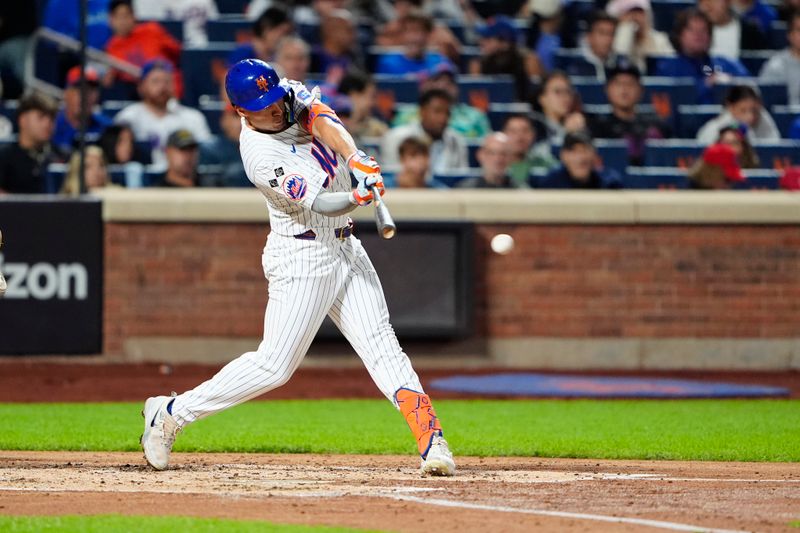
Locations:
column 502, row 243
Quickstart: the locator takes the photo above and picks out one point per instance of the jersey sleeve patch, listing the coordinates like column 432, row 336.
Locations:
column 294, row 187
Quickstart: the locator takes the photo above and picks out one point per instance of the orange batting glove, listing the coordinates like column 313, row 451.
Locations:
column 368, row 173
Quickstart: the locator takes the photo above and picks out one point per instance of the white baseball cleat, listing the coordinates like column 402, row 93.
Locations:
column 160, row 429
column 439, row 461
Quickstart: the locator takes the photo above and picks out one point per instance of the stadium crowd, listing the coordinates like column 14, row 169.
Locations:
column 445, row 93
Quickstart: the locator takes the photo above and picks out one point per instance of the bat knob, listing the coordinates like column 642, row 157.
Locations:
column 388, row 232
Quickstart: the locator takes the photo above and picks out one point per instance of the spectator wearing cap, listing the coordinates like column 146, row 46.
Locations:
column 448, row 149
column 691, row 38
column 338, row 50
column 292, row 58
column 526, row 153
column 784, row 66
column 415, row 57
column 757, row 13
column 635, row 37
column 578, row 169
column 159, row 114
column 140, row 43
column 596, row 48
column 735, row 136
column 466, row 120
column 624, row 91
column 23, row 164
column 68, row 119
column 220, row 157
column 717, row 169
column 195, row 14
column 500, row 54
column 360, row 88
column 743, row 105
column 730, row 35
column 182, row 157
column 268, row 29
column 494, row 156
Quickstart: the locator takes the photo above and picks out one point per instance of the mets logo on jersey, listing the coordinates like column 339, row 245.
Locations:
column 295, row 187
column 262, row 83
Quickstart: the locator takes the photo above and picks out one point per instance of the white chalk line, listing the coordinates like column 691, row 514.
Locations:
column 404, row 494
column 674, row 526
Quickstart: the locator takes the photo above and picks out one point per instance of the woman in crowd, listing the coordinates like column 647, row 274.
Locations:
column 95, row 172
column 743, row 105
column 557, row 108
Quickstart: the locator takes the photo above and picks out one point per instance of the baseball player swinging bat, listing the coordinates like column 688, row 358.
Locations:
column 383, row 218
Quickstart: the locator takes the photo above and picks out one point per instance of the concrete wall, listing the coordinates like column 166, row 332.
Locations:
column 596, row 280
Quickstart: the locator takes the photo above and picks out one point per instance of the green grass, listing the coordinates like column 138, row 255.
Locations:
column 725, row 430
column 795, row 524
column 149, row 524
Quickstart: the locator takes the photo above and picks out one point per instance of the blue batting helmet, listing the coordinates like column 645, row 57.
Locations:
column 253, row 85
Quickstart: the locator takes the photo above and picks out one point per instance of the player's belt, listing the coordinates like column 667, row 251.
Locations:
column 340, row 233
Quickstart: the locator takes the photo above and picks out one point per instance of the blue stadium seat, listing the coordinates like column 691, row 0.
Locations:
column 54, row 178
column 690, row 118
column 665, row 178
column 760, row 179
column 753, row 60
column 682, row 153
column 472, row 89
column 665, row 94
column 203, row 69
column 498, row 113
column 665, row 11
column 472, row 150
column 785, row 116
column 232, row 6
column 614, row 153
column 778, row 36
column 452, row 179
column 228, row 29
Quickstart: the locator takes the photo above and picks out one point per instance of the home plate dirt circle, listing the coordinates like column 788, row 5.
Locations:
column 387, row 492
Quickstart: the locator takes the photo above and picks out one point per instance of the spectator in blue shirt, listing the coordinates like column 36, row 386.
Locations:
column 578, row 169
column 757, row 12
column 68, row 120
column 415, row 58
column 269, row 28
column 794, row 131
column 691, row 37
column 63, row 16
column 545, row 33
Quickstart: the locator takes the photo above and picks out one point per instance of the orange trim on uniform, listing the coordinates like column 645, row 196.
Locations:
column 420, row 417
column 317, row 110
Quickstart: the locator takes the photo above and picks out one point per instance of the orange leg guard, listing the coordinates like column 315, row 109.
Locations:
column 420, row 416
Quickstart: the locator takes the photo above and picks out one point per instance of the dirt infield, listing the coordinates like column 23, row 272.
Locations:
column 386, row 492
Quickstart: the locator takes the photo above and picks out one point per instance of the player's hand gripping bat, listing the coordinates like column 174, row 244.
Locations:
column 383, row 218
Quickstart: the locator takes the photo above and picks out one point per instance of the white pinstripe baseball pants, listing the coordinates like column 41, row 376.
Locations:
column 307, row 281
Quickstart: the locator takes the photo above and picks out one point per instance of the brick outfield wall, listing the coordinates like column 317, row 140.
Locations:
column 646, row 281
